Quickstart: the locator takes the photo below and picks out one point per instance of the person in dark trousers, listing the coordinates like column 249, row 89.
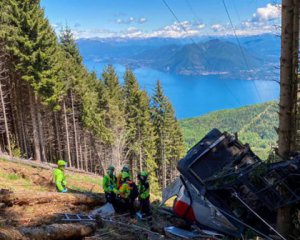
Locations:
column 109, row 184
column 144, row 194
column 128, row 192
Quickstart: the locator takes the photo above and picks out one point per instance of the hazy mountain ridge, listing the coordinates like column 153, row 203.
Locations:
column 210, row 56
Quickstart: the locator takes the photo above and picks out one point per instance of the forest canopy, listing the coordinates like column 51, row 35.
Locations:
column 53, row 108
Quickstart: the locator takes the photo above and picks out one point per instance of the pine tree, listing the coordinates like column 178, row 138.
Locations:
column 133, row 114
column 140, row 140
column 147, row 133
column 5, row 31
column 52, row 107
column 169, row 141
column 159, row 103
column 69, row 46
column 33, row 50
column 173, row 141
column 114, row 115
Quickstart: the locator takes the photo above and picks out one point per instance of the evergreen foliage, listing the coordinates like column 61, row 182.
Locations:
column 168, row 135
column 55, row 109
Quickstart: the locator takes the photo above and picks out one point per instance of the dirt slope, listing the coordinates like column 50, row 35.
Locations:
column 19, row 178
column 29, row 199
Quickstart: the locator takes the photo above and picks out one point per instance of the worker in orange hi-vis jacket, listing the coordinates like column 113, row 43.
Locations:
column 119, row 176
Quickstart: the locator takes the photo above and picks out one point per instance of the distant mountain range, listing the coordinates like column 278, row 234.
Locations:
column 254, row 58
column 211, row 57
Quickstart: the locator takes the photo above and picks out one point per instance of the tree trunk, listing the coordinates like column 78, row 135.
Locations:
column 40, row 130
column 5, row 117
column 58, row 141
column 49, row 232
column 36, row 142
column 25, row 198
column 140, row 152
column 163, row 162
column 75, row 131
column 85, row 154
column 80, row 155
column 17, row 113
column 288, row 86
column 67, row 135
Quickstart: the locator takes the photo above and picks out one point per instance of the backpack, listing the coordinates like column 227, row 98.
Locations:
column 134, row 192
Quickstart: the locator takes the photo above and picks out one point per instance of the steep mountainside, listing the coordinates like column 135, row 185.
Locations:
column 255, row 125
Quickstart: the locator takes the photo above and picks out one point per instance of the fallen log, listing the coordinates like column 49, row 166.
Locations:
column 42, row 165
column 50, row 232
column 11, row 234
column 59, row 231
column 28, row 198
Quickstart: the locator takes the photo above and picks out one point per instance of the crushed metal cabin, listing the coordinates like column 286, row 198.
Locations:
column 224, row 187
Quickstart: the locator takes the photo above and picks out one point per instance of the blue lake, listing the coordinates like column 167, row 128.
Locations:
column 193, row 96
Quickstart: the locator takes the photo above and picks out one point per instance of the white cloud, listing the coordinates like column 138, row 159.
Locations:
column 57, row 26
column 200, row 25
column 217, row 27
column 92, row 33
column 142, row 20
column 267, row 13
column 177, row 30
column 125, row 21
column 131, row 20
column 132, row 32
column 261, row 22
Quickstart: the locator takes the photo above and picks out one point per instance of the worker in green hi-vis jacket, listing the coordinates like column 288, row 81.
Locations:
column 144, row 194
column 109, row 184
column 59, row 176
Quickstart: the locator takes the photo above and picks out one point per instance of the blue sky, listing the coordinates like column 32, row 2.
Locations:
column 151, row 18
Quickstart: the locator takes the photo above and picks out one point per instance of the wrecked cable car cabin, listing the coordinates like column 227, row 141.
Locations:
column 225, row 187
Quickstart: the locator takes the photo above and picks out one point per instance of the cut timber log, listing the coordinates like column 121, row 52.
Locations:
column 11, row 234
column 50, row 232
column 27, row 198
column 42, row 165
column 59, row 231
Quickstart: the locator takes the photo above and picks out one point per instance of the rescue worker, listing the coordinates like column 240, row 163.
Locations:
column 128, row 192
column 109, row 184
column 119, row 177
column 59, row 176
column 144, row 194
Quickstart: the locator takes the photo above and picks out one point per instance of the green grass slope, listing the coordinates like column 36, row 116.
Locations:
column 255, row 125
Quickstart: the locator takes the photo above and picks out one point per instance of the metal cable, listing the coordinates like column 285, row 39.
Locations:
column 240, row 47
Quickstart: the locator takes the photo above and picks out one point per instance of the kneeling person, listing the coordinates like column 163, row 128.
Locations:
column 128, row 192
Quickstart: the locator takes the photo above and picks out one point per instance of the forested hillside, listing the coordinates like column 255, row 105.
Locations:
column 53, row 108
column 255, row 125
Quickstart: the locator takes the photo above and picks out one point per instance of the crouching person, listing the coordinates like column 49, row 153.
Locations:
column 60, row 177
column 128, row 192
column 119, row 176
column 144, row 194
column 109, row 185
